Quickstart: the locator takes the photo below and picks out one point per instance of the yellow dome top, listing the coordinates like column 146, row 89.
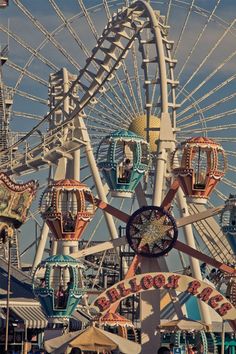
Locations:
column 138, row 126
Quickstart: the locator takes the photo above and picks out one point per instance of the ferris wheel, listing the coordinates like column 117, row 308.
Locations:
column 116, row 76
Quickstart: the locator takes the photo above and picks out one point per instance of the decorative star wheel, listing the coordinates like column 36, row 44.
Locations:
column 151, row 231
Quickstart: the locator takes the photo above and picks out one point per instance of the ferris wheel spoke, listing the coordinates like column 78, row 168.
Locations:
column 200, row 216
column 112, row 210
column 33, row 215
column 107, row 10
column 99, row 129
column 123, row 106
column 26, row 115
column 112, row 124
column 98, row 270
column 29, row 62
column 229, row 182
column 25, row 72
column 221, row 195
column 212, row 237
column 134, row 105
column 68, row 26
column 212, row 118
column 127, row 105
column 167, row 201
column 47, row 34
column 219, row 139
column 208, row 20
column 28, row 48
column 145, row 51
column 210, row 129
column 223, row 84
column 212, row 74
column 230, row 152
column 227, row 30
column 112, row 115
column 91, row 237
column 95, row 138
column 104, row 246
column 193, row 104
column 207, row 108
column 124, row 93
column 29, row 96
column 88, row 19
column 116, row 108
column 202, row 257
column 183, row 27
column 168, row 12
column 95, row 229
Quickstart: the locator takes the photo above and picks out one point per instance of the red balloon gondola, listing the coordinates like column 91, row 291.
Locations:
column 67, row 206
column 199, row 164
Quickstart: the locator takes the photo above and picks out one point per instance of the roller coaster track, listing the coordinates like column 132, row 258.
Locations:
column 44, row 146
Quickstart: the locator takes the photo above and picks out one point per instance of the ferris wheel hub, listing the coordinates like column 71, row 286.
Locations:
column 151, row 231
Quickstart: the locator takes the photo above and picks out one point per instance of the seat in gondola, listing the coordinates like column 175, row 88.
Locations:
column 124, row 158
column 199, row 164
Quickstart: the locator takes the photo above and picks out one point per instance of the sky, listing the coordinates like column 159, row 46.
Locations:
column 201, row 70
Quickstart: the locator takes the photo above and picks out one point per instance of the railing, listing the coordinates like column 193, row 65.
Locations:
column 27, row 152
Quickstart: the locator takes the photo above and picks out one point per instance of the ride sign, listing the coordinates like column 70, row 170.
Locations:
column 153, row 281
